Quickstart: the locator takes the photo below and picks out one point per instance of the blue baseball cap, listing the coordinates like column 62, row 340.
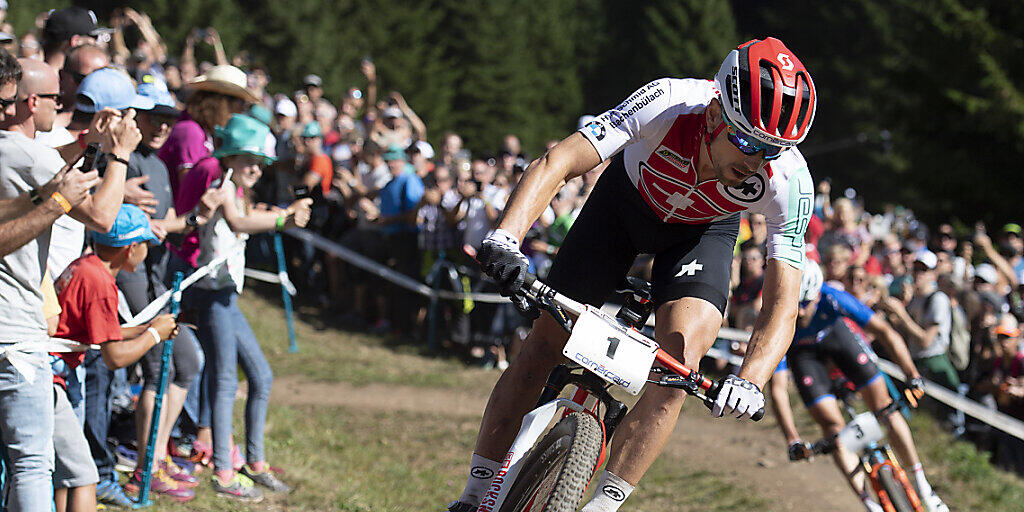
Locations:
column 109, row 88
column 130, row 226
column 156, row 90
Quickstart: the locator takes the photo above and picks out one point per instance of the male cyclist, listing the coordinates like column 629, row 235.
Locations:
column 823, row 336
column 686, row 157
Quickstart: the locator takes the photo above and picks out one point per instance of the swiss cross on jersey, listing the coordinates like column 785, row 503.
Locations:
column 668, row 183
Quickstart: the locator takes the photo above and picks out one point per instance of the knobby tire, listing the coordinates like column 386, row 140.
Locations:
column 557, row 469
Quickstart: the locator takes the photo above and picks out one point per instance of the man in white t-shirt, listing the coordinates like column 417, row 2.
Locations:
column 26, row 392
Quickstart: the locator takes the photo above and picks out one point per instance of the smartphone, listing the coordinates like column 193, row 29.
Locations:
column 220, row 181
column 89, row 162
column 301, row 192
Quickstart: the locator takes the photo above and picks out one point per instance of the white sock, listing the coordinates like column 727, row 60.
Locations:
column 924, row 489
column 610, row 493
column 871, row 505
column 481, row 471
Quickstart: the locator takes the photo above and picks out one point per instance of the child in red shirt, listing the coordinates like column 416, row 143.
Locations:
column 87, row 294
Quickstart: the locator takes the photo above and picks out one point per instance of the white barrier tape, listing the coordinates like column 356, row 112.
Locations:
column 383, row 272
column 150, row 311
column 30, row 357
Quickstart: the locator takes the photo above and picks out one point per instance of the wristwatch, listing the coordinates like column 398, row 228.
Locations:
column 33, row 195
column 192, row 220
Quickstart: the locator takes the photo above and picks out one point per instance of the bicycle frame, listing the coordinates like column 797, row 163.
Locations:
column 874, row 456
column 585, row 386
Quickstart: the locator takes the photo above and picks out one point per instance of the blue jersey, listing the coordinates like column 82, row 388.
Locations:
column 832, row 304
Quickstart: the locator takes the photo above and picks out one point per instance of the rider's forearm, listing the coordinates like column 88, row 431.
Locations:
column 572, row 157
column 894, row 343
column 773, row 330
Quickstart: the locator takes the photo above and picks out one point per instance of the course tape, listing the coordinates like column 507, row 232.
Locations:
column 383, row 272
column 150, row 311
column 994, row 418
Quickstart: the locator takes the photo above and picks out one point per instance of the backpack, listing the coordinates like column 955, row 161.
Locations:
column 959, row 339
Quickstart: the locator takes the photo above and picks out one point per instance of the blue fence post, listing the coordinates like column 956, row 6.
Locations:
column 282, row 270
column 154, row 422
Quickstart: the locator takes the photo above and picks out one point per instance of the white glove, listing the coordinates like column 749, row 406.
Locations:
column 737, row 397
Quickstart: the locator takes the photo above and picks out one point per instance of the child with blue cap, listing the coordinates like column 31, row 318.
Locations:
column 87, row 295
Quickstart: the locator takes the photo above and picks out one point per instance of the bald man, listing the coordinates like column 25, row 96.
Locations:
column 80, row 61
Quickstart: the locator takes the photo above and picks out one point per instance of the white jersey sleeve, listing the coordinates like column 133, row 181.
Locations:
column 788, row 207
column 648, row 111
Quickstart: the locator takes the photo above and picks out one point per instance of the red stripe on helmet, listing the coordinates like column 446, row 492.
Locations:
column 797, row 101
column 773, row 124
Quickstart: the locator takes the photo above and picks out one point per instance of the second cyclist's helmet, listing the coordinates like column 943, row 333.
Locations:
column 767, row 92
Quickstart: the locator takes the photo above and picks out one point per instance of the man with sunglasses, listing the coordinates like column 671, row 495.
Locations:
column 686, row 156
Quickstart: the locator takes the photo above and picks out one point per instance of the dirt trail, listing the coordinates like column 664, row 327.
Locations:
column 746, row 455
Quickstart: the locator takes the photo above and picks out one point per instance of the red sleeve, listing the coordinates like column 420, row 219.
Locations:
column 100, row 320
column 323, row 166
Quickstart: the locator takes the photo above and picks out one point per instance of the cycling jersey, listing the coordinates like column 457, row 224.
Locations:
column 832, row 304
column 661, row 128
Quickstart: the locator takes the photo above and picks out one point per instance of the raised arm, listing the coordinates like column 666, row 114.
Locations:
column 99, row 210
column 28, row 221
column 892, row 340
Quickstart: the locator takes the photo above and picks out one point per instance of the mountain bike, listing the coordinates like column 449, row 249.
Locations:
column 551, row 473
column 863, row 436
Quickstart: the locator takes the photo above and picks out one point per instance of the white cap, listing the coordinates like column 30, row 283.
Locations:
column 987, row 272
column 425, row 149
column 392, row 112
column 286, row 107
column 928, row 258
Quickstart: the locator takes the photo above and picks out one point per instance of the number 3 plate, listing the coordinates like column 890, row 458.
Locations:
column 615, row 353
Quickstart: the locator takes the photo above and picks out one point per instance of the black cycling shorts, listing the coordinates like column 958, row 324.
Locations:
column 842, row 347
column 616, row 225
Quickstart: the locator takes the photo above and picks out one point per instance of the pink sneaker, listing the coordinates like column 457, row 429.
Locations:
column 160, row 483
column 177, row 474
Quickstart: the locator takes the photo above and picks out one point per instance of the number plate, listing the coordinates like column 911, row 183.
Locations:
column 617, row 354
column 860, row 432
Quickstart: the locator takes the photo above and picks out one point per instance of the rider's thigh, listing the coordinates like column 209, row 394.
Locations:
column 827, row 414
column 686, row 328
column 876, row 394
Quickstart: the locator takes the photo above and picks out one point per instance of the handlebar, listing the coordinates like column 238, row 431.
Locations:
column 692, row 382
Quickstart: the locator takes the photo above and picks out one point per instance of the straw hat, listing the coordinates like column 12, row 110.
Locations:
column 227, row 80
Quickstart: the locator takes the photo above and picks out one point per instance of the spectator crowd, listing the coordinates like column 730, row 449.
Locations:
column 121, row 166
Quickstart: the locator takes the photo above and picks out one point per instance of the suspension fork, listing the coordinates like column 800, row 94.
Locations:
column 587, row 384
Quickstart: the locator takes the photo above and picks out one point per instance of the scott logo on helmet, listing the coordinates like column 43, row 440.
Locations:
column 786, row 62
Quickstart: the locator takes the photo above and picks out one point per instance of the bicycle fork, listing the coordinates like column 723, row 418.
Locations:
column 875, row 461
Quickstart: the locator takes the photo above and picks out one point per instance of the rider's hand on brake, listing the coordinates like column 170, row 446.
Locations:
column 502, row 260
column 737, row 397
column 799, row 450
column 915, row 388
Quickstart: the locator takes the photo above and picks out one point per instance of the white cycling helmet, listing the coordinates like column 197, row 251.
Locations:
column 810, row 283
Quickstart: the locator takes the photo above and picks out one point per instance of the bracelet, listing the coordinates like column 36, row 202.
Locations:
column 155, row 333
column 111, row 156
column 280, row 223
column 62, row 201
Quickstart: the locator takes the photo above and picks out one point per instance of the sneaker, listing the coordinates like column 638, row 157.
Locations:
column 458, row 506
column 160, row 483
column 177, row 474
column 266, row 478
column 240, row 488
column 110, row 492
column 933, row 503
column 124, row 459
column 202, row 453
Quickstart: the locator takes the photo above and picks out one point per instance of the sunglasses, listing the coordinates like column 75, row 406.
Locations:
column 748, row 145
column 54, row 96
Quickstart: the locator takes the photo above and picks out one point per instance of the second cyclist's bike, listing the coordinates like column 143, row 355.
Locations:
column 549, row 469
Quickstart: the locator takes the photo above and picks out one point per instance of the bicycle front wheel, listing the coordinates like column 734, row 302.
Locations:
column 557, row 469
column 897, row 494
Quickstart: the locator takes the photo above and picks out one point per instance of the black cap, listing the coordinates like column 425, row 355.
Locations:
column 72, row 21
